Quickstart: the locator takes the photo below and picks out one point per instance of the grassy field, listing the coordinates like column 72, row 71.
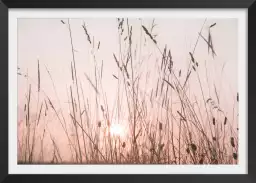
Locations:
column 166, row 123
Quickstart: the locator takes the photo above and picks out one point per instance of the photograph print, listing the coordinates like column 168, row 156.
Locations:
column 127, row 91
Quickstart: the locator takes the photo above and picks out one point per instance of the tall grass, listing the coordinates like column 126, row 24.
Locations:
column 159, row 131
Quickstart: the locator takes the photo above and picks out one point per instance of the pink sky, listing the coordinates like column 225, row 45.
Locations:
column 48, row 40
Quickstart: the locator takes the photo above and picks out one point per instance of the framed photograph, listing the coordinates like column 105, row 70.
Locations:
column 127, row 91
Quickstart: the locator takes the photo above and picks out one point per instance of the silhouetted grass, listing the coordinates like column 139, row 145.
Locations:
column 188, row 134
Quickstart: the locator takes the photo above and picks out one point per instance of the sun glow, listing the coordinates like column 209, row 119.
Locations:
column 117, row 130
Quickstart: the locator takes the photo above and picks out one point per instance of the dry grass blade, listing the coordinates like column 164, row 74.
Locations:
column 169, row 83
column 160, row 126
column 232, row 141
column 186, row 79
column 28, row 111
column 183, row 118
column 138, row 135
column 153, row 25
column 128, row 59
column 130, row 36
column 102, row 109
column 163, row 57
column 89, row 138
column 87, row 34
column 82, row 112
column 147, row 32
column 56, row 149
column 115, row 76
column 209, row 44
column 94, row 87
column 225, row 120
column 72, row 72
column 208, row 100
column 46, row 105
column 212, row 25
column 99, row 45
column 215, row 89
column 170, row 61
column 162, row 86
column 120, row 25
column 50, row 102
column 213, row 121
column 117, row 63
column 209, row 41
column 125, row 69
column 192, row 57
column 157, row 87
column 39, row 114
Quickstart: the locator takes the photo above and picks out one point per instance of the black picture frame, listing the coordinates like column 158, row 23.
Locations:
column 250, row 5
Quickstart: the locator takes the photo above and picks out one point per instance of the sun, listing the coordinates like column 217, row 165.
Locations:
column 117, row 130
